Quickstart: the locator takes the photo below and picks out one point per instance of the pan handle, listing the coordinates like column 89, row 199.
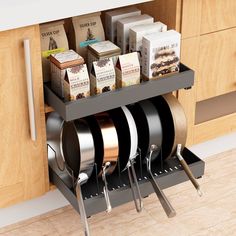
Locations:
column 30, row 90
column 134, row 186
column 188, row 170
column 81, row 180
column 170, row 211
column 105, row 188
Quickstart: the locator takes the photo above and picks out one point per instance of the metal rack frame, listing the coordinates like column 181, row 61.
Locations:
column 120, row 97
column 167, row 175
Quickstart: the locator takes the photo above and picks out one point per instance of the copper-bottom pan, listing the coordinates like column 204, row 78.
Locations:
column 109, row 140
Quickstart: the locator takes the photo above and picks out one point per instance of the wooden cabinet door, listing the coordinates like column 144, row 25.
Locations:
column 217, row 15
column 217, row 64
column 23, row 164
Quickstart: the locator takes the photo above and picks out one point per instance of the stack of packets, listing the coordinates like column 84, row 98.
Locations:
column 69, row 75
column 161, row 54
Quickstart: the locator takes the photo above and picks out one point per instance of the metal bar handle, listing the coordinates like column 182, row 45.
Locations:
column 30, row 91
column 134, row 186
column 105, row 188
column 188, row 170
column 170, row 211
column 81, row 180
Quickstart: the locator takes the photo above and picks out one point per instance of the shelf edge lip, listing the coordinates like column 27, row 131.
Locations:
column 120, row 97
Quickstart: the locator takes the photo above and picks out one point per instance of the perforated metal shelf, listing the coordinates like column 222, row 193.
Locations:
column 168, row 174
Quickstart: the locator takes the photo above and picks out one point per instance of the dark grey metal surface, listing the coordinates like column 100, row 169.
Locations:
column 96, row 204
column 106, row 101
column 154, row 126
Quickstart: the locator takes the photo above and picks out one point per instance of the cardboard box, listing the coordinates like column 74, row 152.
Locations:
column 137, row 32
column 123, row 27
column 85, row 30
column 53, row 40
column 101, row 50
column 161, row 54
column 127, row 70
column 111, row 18
column 102, row 76
column 59, row 63
column 76, row 83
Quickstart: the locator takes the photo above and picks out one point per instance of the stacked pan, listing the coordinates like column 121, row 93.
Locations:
column 154, row 126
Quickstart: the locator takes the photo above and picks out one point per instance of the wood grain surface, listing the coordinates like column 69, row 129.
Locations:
column 23, row 163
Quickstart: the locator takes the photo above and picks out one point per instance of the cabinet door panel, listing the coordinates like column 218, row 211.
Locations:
column 23, row 165
column 191, row 18
column 217, row 15
column 217, row 64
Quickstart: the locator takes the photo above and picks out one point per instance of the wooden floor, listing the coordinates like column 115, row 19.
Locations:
column 213, row 214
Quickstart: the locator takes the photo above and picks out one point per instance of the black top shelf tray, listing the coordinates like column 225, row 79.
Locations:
column 106, row 101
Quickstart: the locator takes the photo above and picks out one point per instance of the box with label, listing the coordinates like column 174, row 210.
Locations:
column 127, row 70
column 111, row 18
column 101, row 50
column 123, row 27
column 161, row 54
column 53, row 40
column 85, row 30
column 102, row 76
column 76, row 83
column 137, row 32
column 59, row 63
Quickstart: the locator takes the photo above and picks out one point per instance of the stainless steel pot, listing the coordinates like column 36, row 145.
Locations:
column 78, row 147
column 79, row 154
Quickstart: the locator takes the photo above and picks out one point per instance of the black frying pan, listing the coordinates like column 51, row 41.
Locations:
column 123, row 133
column 149, row 127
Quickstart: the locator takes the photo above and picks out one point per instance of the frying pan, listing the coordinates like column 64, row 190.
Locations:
column 78, row 147
column 174, row 123
column 148, row 126
column 79, row 151
column 150, row 141
column 175, row 127
column 109, row 141
column 110, row 147
column 128, row 145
